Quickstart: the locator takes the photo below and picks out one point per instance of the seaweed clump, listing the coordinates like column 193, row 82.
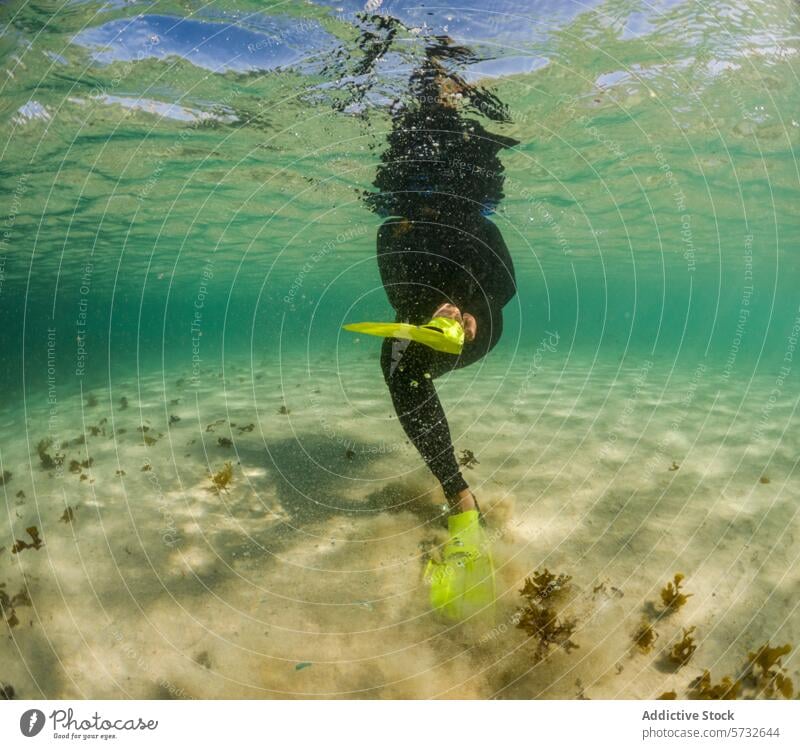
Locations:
column 542, row 621
column 224, row 442
column 48, row 461
column 702, row 688
column 9, row 604
column 671, row 595
column 5, row 478
column 645, row 636
column 544, row 584
column 767, row 673
column 75, row 466
column 222, row 478
column 683, row 650
column 468, row 459
column 36, row 543
column 762, row 676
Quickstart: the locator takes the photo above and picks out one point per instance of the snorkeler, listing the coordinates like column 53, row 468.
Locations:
column 439, row 256
column 448, row 274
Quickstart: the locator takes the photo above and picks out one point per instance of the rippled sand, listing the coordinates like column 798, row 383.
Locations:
column 304, row 578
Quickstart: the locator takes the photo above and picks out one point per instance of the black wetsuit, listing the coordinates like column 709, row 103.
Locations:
column 424, row 263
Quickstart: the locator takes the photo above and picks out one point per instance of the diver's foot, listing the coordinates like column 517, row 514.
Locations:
column 465, row 500
column 467, row 321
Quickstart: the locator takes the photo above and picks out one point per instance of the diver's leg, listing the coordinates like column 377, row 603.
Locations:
column 409, row 369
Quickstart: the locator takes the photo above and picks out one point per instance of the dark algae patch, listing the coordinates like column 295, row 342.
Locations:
column 683, row 650
column 222, row 478
column 539, row 618
column 645, row 636
column 468, row 459
column 48, row 461
column 672, row 596
column 36, row 543
column 9, row 604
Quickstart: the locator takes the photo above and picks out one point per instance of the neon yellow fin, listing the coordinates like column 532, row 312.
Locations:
column 441, row 333
column 463, row 584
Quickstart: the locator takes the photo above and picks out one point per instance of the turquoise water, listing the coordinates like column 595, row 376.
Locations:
column 184, row 188
column 651, row 195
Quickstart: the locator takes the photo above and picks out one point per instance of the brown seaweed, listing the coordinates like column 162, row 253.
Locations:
column 468, row 459
column 173, row 419
column 542, row 623
column 123, row 403
column 7, row 692
column 283, row 411
column 147, row 467
column 247, row 428
column 91, row 400
column 645, row 636
column 68, row 516
column 224, row 442
column 48, row 461
column 702, row 688
column 9, row 604
column 20, row 494
column 544, row 584
column 671, row 695
column 35, row 544
column 5, row 477
column 683, row 650
column 767, row 673
column 75, row 466
column 148, row 440
column 120, row 472
column 211, row 427
column 222, row 478
column 673, row 467
column 764, row 480
column 671, row 595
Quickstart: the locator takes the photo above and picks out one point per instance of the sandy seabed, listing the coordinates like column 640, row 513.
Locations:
column 303, row 578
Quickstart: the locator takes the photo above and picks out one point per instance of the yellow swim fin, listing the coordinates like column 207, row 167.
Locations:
column 441, row 333
column 463, row 584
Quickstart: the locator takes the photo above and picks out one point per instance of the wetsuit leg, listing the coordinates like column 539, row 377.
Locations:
column 409, row 370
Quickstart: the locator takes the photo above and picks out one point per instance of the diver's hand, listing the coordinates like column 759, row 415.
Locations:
column 468, row 322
